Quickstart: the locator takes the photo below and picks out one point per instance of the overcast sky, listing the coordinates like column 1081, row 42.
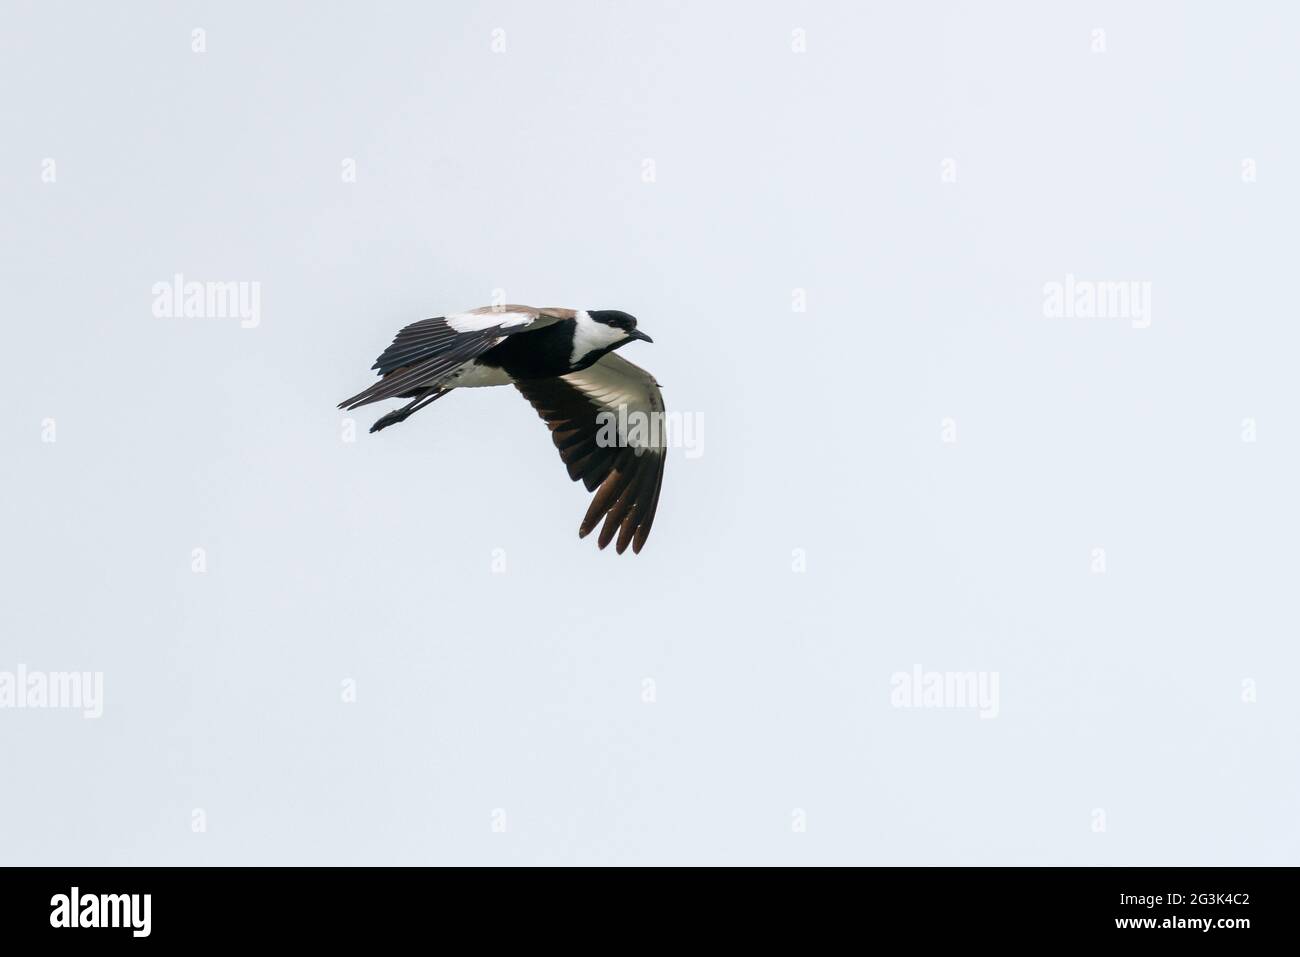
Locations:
column 983, row 316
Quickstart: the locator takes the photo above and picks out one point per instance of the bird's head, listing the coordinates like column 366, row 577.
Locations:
column 620, row 321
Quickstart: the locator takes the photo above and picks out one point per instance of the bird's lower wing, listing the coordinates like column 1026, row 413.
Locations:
column 608, row 423
column 426, row 352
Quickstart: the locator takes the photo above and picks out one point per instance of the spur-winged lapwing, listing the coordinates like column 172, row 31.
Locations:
column 605, row 414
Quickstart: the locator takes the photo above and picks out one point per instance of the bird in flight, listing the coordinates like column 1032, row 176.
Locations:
column 605, row 414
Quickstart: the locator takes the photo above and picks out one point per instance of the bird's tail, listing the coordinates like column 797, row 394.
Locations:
column 368, row 395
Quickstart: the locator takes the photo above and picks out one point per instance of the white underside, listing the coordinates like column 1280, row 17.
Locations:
column 471, row 375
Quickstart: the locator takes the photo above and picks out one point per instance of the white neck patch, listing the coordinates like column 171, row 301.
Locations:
column 590, row 335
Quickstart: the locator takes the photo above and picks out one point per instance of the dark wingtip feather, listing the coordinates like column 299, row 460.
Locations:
column 606, row 533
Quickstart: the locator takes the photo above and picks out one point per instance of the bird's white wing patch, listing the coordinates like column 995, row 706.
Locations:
column 630, row 394
column 625, row 470
column 478, row 320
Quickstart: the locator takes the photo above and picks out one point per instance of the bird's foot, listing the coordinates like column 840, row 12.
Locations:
column 392, row 418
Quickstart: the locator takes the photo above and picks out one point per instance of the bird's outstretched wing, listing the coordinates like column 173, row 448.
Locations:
column 426, row 352
column 608, row 423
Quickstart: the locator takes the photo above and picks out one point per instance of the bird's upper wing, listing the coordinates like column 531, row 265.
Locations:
column 425, row 352
column 608, row 423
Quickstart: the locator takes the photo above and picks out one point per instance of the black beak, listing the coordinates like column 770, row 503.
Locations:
column 638, row 334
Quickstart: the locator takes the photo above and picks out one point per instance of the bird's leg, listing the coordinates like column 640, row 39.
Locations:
column 400, row 415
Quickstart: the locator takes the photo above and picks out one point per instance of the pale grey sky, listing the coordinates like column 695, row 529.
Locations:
column 924, row 470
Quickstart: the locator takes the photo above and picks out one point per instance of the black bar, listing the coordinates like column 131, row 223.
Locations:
column 374, row 905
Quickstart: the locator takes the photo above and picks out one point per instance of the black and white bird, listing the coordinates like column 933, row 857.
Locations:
column 563, row 362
